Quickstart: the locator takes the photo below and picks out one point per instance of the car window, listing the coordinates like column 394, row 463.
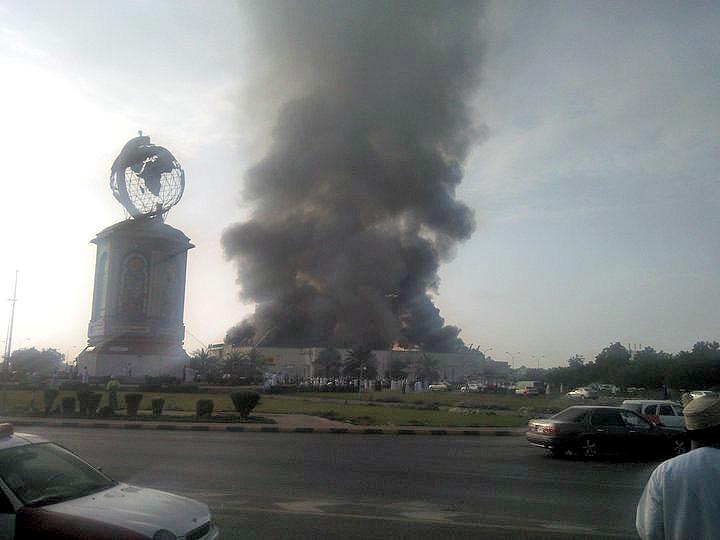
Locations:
column 666, row 410
column 635, row 421
column 6, row 506
column 650, row 409
column 606, row 418
column 571, row 415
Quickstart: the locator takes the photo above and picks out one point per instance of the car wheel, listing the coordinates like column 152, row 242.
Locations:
column 679, row 446
column 588, row 448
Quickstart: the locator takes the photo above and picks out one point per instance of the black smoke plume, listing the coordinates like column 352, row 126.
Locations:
column 355, row 200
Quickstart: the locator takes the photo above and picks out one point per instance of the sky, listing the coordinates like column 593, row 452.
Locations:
column 595, row 187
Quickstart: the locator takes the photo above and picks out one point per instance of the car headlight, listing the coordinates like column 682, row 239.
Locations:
column 164, row 534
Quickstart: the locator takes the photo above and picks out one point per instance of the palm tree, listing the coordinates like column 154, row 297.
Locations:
column 398, row 368
column 360, row 362
column 245, row 364
column 206, row 365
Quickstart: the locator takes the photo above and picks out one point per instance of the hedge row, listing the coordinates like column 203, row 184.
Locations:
column 88, row 403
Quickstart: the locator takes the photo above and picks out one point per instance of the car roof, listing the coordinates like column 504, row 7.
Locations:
column 608, row 407
column 650, row 402
column 19, row 439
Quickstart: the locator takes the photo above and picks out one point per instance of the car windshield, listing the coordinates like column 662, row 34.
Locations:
column 41, row 474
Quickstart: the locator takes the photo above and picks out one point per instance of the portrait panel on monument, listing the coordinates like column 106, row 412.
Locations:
column 133, row 287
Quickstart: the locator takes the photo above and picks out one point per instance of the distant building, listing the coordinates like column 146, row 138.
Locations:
column 297, row 363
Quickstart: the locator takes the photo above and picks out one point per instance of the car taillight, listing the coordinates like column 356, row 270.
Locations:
column 550, row 430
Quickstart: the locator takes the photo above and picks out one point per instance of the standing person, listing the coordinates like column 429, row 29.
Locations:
column 681, row 498
column 112, row 389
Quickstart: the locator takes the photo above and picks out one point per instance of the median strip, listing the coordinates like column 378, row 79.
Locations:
column 259, row 428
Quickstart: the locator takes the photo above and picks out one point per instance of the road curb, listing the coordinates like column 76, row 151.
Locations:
column 250, row 428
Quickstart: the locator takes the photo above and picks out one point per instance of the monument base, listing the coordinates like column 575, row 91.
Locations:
column 133, row 361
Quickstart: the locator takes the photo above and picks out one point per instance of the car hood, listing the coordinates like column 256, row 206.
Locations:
column 142, row 510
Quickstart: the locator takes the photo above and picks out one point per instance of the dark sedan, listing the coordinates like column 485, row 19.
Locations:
column 591, row 431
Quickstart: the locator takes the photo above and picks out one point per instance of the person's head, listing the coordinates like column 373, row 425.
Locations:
column 702, row 419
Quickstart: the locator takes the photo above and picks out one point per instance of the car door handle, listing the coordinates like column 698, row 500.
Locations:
column 601, row 430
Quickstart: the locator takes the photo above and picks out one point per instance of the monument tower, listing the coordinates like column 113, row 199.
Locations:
column 136, row 326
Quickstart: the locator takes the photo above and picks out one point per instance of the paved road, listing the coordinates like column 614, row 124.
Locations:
column 359, row 486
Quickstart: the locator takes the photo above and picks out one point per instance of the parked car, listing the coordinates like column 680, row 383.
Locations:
column 471, row 387
column 700, row 393
column 583, row 393
column 663, row 412
column 589, row 431
column 439, row 387
column 48, row 492
column 608, row 388
column 530, row 388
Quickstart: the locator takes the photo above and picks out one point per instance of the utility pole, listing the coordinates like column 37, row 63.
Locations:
column 8, row 341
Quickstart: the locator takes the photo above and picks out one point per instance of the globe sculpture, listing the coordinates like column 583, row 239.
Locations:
column 136, row 327
column 146, row 179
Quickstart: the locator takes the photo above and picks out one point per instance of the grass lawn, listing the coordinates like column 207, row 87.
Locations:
column 509, row 402
column 19, row 402
column 469, row 410
column 379, row 415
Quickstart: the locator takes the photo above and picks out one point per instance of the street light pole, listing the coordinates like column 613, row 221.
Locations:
column 512, row 356
column 8, row 341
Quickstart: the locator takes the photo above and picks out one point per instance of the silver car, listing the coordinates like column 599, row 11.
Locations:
column 664, row 412
column 48, row 492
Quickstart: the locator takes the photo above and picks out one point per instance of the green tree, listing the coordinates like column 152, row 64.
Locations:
column 398, row 368
column 360, row 362
column 611, row 364
column 576, row 361
column 649, row 368
column 328, row 363
column 426, row 368
column 45, row 362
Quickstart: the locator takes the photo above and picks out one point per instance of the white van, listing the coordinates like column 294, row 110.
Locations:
column 667, row 413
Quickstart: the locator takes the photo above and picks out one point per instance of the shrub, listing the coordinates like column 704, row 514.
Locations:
column 161, row 380
column 204, row 408
column 245, row 402
column 49, row 397
column 132, row 403
column 88, row 402
column 94, row 402
column 157, row 406
column 68, row 405
column 105, row 411
column 73, row 385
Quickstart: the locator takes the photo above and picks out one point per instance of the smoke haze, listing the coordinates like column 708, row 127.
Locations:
column 354, row 202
